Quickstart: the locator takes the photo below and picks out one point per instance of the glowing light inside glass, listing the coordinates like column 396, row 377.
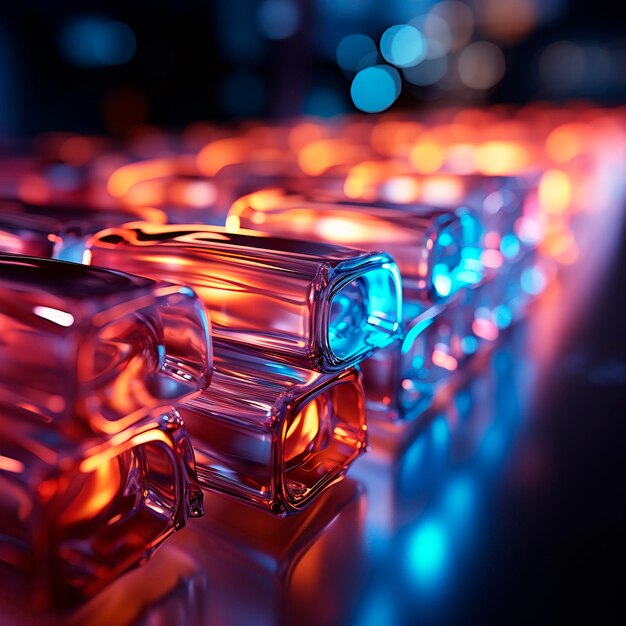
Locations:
column 320, row 439
column 362, row 314
column 457, row 256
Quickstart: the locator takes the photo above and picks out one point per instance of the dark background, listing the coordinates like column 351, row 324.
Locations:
column 196, row 59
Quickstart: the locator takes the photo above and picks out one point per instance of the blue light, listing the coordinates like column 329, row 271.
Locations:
column 403, row 45
column 278, row 19
column 440, row 433
column 441, row 281
column 509, row 246
column 356, row 52
column 428, row 72
column 469, row 344
column 502, row 316
column 533, row 281
column 365, row 312
column 428, row 553
column 375, row 88
column 95, row 41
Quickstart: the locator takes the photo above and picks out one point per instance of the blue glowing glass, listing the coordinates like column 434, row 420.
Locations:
column 457, row 256
column 364, row 313
column 375, row 88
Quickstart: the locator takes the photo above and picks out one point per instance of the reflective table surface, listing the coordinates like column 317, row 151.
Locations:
column 503, row 503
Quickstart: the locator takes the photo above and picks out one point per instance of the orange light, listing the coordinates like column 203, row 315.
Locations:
column 218, row 154
column 565, row 142
column 427, row 157
column 502, row 157
column 97, row 493
column 123, row 179
column 444, row 360
column 318, row 156
column 76, row 150
column 302, row 431
column 442, row 190
column 485, row 329
column 33, row 188
column 555, row 191
column 11, row 465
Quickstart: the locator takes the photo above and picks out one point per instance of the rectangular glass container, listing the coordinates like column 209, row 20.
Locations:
column 74, row 516
column 60, row 231
column 88, row 345
column 320, row 306
column 438, row 252
column 274, row 434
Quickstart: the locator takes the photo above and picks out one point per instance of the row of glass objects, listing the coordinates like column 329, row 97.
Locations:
column 97, row 367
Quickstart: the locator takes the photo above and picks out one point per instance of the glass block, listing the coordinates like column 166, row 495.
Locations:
column 74, row 516
column 438, row 251
column 94, row 346
column 317, row 305
column 60, row 231
column 274, row 434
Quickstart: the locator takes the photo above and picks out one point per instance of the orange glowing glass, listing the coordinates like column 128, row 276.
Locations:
column 74, row 516
column 275, row 434
column 321, row 306
column 436, row 250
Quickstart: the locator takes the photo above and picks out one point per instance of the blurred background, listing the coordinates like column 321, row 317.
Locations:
column 111, row 66
column 511, row 511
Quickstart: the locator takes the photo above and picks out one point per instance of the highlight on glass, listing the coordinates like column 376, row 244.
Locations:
column 99, row 347
column 76, row 516
column 274, row 434
column 320, row 306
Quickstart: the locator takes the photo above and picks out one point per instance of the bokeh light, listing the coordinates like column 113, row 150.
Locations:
column 403, row 45
column 376, row 88
column 428, row 72
column 481, row 65
column 460, row 21
column 356, row 52
column 278, row 19
column 93, row 41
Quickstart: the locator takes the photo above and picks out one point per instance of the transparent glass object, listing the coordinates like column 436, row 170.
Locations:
column 320, row 306
column 274, row 434
column 497, row 200
column 60, row 231
column 75, row 516
column 94, row 346
column 438, row 251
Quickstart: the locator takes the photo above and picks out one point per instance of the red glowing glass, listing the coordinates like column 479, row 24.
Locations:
column 98, row 347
